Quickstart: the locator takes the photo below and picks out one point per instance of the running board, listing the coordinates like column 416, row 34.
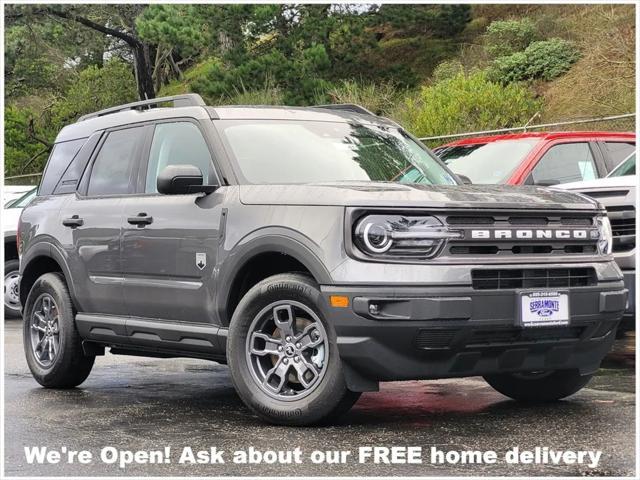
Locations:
column 153, row 335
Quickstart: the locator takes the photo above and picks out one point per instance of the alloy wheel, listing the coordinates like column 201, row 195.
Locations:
column 45, row 330
column 287, row 350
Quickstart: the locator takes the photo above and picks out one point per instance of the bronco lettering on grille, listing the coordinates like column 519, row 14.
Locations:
column 538, row 234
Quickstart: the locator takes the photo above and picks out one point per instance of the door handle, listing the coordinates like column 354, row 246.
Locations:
column 73, row 222
column 141, row 219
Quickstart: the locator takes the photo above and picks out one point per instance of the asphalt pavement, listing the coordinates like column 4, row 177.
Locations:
column 136, row 404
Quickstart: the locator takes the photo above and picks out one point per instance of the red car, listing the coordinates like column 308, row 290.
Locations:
column 537, row 158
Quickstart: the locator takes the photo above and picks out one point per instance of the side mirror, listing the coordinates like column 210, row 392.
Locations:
column 464, row 179
column 182, row 179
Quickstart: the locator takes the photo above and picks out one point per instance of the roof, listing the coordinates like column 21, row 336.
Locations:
column 85, row 127
column 544, row 136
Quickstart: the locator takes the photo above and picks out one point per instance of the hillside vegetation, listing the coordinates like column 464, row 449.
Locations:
column 437, row 69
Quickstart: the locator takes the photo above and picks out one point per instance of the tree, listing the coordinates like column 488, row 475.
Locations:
column 429, row 20
column 115, row 21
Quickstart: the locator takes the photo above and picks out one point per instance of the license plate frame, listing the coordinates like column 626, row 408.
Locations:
column 553, row 309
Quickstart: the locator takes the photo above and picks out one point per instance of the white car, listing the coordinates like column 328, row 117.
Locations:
column 13, row 192
column 10, row 217
column 617, row 192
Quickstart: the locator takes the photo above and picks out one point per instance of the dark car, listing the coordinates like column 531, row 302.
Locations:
column 273, row 239
column 537, row 158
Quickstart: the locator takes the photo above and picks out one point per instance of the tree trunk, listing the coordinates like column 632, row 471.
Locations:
column 144, row 76
column 140, row 49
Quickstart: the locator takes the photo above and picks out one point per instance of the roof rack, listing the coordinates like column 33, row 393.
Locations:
column 347, row 107
column 186, row 100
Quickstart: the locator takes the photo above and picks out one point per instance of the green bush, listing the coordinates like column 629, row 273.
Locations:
column 543, row 60
column 22, row 153
column 97, row 88
column 505, row 37
column 93, row 89
column 467, row 103
column 380, row 98
column 447, row 69
column 268, row 94
column 298, row 79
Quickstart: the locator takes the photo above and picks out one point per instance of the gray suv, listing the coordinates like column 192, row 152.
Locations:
column 317, row 251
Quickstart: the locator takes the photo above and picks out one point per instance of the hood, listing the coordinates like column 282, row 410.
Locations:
column 626, row 181
column 382, row 194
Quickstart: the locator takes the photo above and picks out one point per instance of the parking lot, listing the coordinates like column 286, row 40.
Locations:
column 135, row 403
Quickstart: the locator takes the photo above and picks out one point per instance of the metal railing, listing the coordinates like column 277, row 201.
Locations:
column 525, row 128
column 26, row 179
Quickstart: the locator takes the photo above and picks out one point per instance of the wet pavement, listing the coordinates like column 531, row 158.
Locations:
column 133, row 403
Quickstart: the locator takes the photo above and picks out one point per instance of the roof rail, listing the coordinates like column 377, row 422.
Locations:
column 347, row 107
column 186, row 100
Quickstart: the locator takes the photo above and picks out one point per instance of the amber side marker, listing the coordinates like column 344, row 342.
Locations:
column 339, row 301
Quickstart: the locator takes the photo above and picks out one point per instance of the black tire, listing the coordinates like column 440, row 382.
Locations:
column 539, row 387
column 329, row 397
column 11, row 308
column 69, row 367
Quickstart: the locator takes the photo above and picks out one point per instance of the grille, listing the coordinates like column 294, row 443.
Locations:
column 514, row 222
column 501, row 279
column 525, row 335
column 526, row 249
column 443, row 338
column 435, row 338
column 623, row 226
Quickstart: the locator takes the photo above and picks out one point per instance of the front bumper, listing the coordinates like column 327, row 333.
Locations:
column 423, row 333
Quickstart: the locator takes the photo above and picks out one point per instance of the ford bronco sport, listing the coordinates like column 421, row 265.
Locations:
column 317, row 251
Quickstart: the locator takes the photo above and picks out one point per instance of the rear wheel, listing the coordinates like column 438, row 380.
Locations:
column 542, row 386
column 283, row 354
column 52, row 345
column 11, row 292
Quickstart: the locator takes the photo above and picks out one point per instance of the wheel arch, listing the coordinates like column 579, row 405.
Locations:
column 42, row 258
column 261, row 258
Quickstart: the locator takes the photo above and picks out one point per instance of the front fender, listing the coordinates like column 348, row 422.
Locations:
column 273, row 239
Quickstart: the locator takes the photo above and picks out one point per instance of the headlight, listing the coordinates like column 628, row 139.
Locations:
column 605, row 235
column 400, row 236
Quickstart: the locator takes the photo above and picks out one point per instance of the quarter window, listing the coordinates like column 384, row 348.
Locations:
column 111, row 172
column 60, row 158
column 179, row 143
column 567, row 162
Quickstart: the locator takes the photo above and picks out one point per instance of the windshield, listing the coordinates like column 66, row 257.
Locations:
column 491, row 163
column 628, row 167
column 23, row 201
column 277, row 152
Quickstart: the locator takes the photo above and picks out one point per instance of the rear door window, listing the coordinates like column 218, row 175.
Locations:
column 566, row 162
column 61, row 156
column 112, row 170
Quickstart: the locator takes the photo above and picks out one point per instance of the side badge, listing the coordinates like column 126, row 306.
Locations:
column 201, row 260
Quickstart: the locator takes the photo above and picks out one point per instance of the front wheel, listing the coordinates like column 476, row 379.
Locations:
column 543, row 386
column 283, row 354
